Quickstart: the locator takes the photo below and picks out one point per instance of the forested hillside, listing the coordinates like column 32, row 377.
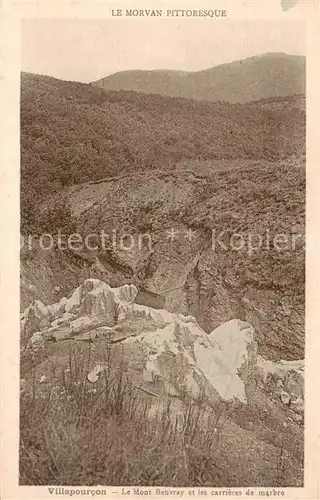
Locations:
column 72, row 133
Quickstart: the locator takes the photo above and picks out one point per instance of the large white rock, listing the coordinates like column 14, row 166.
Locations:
column 141, row 311
column 236, row 340
column 96, row 297
column 36, row 317
column 57, row 309
column 188, row 362
column 234, row 356
column 125, row 293
column 93, row 303
column 197, row 365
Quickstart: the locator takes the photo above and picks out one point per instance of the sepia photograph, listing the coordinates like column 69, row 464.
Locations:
column 162, row 252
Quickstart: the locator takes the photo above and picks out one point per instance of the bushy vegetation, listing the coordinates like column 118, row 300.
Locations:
column 73, row 133
column 82, row 433
column 73, row 432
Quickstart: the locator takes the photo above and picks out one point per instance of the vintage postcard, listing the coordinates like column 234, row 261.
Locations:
column 160, row 232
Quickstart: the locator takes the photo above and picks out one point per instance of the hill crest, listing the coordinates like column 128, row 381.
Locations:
column 271, row 74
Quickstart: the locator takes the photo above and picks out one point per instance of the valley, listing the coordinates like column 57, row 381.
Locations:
column 162, row 282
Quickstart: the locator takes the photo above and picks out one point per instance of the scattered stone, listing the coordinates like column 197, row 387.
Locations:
column 287, row 376
column 285, row 398
column 297, row 404
column 296, row 417
column 294, row 383
column 93, row 376
column 280, row 369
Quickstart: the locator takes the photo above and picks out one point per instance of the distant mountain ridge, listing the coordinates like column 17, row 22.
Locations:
column 258, row 77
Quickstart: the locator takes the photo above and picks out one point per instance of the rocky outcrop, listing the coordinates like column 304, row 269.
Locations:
column 35, row 317
column 175, row 219
column 99, row 343
column 217, row 293
column 191, row 363
column 177, row 353
column 284, row 381
column 92, row 305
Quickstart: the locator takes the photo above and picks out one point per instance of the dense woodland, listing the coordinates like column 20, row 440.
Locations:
column 72, row 133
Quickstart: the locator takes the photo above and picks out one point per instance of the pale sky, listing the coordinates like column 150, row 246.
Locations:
column 86, row 50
